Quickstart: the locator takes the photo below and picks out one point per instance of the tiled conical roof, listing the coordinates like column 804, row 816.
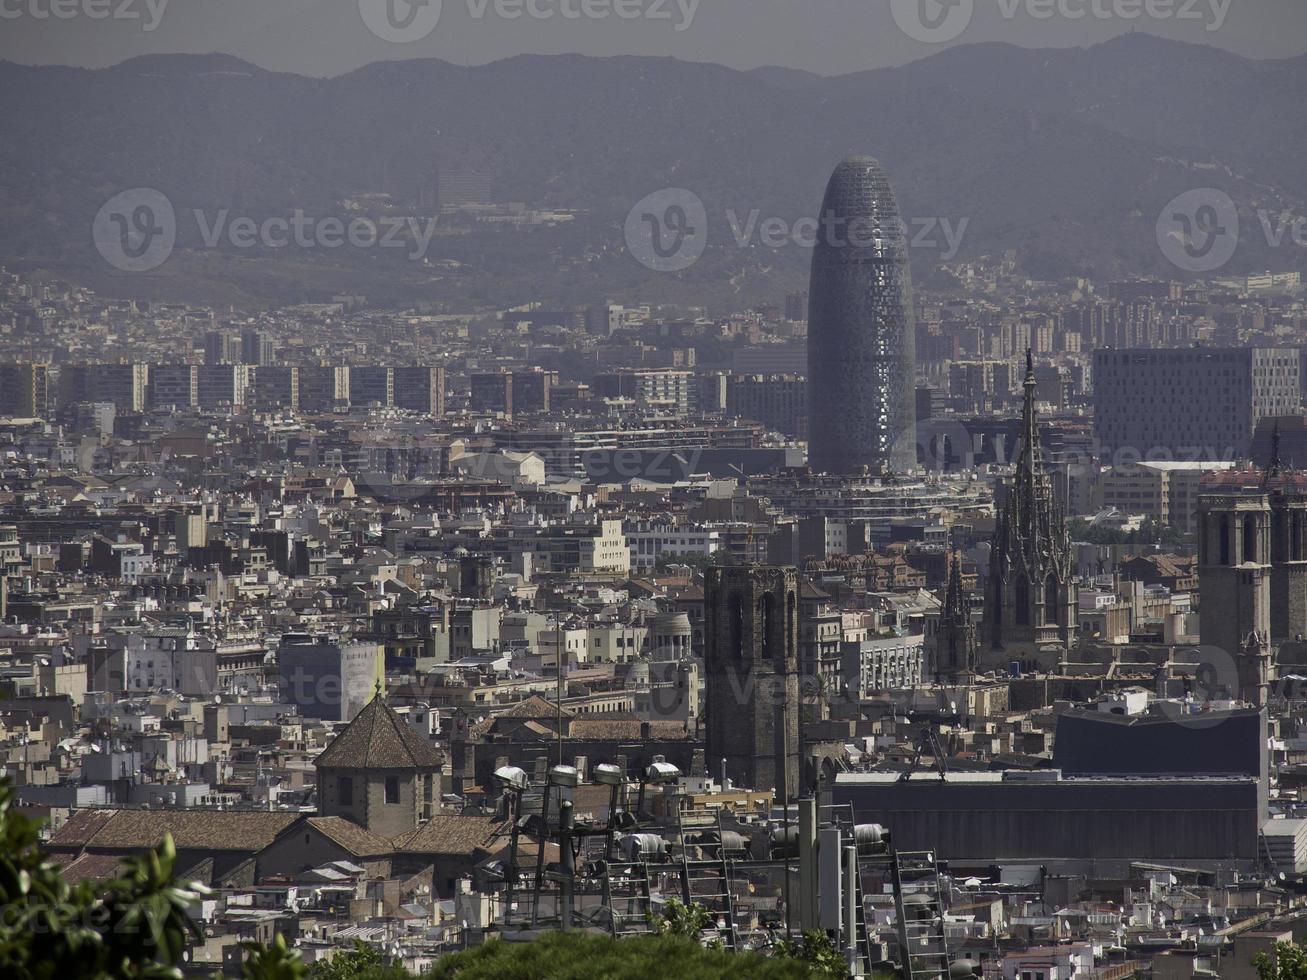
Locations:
column 378, row 738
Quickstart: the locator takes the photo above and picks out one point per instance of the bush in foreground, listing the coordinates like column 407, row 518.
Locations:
column 135, row 925
column 582, row 956
column 1288, row 963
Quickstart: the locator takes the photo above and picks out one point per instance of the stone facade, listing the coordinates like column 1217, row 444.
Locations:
column 956, row 642
column 386, row 803
column 1032, row 599
column 1288, row 499
column 379, row 773
column 1252, row 568
column 751, row 674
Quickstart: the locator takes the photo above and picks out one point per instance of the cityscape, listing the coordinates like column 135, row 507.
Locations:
column 760, row 513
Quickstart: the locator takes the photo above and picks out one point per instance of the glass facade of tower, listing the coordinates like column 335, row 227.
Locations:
column 861, row 336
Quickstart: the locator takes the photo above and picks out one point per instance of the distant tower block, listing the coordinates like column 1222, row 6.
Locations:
column 861, row 333
column 751, row 674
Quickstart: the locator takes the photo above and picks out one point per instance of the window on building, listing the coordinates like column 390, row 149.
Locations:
column 392, row 789
column 345, row 791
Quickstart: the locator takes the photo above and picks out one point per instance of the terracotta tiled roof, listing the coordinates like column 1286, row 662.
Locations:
column 620, row 730
column 378, row 738
column 1167, row 566
column 449, row 833
column 534, row 707
column 1253, row 480
column 537, row 729
column 210, row 830
column 88, row 867
column 1164, row 565
column 359, row 841
column 526, row 852
column 80, row 827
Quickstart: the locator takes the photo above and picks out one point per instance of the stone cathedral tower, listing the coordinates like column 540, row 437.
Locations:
column 1252, row 569
column 1287, row 491
column 956, row 642
column 1031, row 598
column 751, row 676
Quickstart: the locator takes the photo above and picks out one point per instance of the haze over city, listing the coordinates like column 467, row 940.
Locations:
column 635, row 488
column 828, row 37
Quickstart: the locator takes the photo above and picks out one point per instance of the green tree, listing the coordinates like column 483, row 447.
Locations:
column 1289, row 963
column 273, row 962
column 135, row 925
column 818, row 950
column 1150, row 533
column 581, row 956
column 679, row 919
column 363, row 962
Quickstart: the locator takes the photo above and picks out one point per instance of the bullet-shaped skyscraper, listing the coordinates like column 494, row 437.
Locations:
column 861, row 337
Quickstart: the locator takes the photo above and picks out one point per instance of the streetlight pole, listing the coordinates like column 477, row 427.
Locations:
column 558, row 663
column 785, row 803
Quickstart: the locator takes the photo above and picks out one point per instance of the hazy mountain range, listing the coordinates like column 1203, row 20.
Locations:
column 1067, row 156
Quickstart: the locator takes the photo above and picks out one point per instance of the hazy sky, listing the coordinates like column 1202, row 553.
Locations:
column 329, row 37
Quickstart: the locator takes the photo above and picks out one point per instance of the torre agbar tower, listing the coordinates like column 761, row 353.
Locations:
column 861, row 337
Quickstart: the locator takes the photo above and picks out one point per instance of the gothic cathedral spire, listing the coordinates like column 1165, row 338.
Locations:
column 1031, row 598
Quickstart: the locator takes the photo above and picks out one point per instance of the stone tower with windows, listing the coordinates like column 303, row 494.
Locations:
column 1031, row 599
column 379, row 773
column 1238, row 521
column 1287, row 495
column 956, row 642
column 751, row 676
